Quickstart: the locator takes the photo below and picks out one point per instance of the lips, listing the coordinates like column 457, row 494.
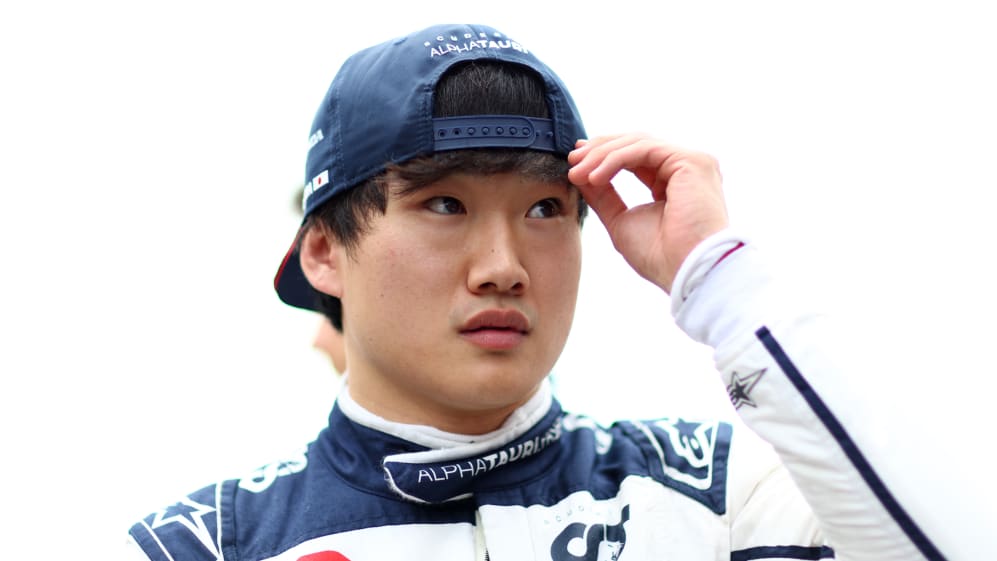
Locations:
column 508, row 320
column 496, row 330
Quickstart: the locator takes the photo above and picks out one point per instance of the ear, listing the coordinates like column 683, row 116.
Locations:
column 321, row 259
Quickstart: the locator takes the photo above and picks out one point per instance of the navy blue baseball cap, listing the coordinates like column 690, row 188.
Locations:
column 379, row 111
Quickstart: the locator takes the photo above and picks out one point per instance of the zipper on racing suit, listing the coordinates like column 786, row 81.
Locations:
column 480, row 547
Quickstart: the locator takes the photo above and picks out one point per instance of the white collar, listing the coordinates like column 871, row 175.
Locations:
column 521, row 420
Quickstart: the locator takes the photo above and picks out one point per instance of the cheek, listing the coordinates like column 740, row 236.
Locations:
column 556, row 276
column 405, row 270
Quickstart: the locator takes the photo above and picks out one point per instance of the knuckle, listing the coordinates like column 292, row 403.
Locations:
column 705, row 161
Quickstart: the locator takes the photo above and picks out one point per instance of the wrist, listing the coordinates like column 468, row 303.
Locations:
column 701, row 260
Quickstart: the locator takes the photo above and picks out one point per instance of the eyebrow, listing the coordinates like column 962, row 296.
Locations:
column 402, row 188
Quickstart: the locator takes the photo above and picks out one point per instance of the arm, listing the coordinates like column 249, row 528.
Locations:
column 784, row 367
column 789, row 378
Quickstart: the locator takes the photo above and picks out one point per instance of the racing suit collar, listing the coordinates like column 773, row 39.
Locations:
column 425, row 465
column 527, row 415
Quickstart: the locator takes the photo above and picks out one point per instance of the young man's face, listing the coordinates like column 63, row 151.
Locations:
column 458, row 300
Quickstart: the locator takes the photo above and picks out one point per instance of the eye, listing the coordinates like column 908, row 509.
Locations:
column 547, row 208
column 445, row 205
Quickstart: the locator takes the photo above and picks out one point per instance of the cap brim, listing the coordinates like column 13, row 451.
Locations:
column 290, row 283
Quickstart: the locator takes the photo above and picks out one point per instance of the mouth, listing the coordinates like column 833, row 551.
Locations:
column 496, row 329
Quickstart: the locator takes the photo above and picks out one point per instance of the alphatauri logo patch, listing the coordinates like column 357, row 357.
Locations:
column 598, row 542
column 740, row 387
column 467, row 42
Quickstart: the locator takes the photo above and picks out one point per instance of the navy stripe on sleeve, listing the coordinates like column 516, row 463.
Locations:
column 782, row 552
column 850, row 448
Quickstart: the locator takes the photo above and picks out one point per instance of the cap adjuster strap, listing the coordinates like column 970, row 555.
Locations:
column 493, row 131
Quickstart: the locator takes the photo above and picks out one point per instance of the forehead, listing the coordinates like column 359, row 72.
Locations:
column 464, row 181
column 527, row 163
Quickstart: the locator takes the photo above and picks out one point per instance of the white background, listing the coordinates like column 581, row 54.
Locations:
column 150, row 152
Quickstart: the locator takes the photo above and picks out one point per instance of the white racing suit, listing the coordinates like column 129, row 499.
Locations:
column 555, row 486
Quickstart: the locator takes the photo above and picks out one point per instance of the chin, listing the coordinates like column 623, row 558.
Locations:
column 495, row 391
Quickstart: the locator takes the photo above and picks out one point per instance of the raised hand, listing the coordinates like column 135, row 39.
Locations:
column 688, row 202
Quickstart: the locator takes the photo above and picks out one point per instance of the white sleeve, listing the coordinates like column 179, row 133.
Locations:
column 769, row 517
column 789, row 374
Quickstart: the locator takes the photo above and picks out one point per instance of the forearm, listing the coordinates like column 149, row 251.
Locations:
column 791, row 379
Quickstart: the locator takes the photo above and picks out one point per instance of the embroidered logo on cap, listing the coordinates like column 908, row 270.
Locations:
column 317, row 182
column 315, row 138
column 466, row 42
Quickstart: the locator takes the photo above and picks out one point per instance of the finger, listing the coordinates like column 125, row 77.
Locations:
column 605, row 158
column 605, row 201
column 584, row 147
column 649, row 177
column 583, row 152
column 630, row 153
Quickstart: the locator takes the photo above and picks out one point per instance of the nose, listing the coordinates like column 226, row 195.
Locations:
column 496, row 265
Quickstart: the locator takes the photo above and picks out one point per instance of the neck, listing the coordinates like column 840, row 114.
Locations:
column 445, row 432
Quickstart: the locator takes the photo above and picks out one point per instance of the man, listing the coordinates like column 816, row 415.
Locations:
column 448, row 178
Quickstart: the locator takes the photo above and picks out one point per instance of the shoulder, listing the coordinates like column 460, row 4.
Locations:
column 201, row 525
column 188, row 528
column 706, row 460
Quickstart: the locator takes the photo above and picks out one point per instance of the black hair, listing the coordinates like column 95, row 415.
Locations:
column 471, row 88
